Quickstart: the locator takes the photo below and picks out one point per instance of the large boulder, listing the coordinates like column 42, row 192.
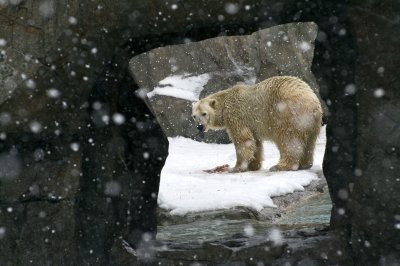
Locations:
column 76, row 171
column 375, row 199
column 173, row 77
column 54, row 55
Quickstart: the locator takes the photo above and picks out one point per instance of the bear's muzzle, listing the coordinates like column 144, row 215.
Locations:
column 200, row 127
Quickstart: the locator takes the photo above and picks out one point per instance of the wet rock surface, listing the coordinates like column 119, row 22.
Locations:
column 285, row 204
column 356, row 45
column 306, row 246
column 216, row 64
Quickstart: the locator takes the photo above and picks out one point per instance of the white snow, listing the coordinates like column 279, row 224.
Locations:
column 118, row 118
column 379, row 92
column 185, row 86
column 73, row 20
column 74, row 146
column 185, row 188
column 189, row 86
column 35, row 127
column 232, row 8
column 53, row 93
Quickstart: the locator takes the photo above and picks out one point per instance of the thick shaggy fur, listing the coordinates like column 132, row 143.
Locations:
column 281, row 109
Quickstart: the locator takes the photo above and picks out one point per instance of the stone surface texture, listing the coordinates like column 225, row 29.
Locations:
column 281, row 50
column 285, row 204
column 376, row 180
column 298, row 247
column 60, row 207
column 71, row 182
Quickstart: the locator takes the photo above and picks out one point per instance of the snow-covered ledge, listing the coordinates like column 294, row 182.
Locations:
column 187, row 191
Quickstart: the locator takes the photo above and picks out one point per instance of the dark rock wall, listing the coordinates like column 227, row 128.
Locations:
column 223, row 62
column 375, row 198
column 355, row 62
column 74, row 178
column 60, row 207
column 355, row 65
column 334, row 66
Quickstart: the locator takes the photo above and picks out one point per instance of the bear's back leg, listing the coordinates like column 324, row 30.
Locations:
column 291, row 150
column 307, row 159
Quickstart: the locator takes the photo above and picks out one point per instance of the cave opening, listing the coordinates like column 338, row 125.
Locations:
column 88, row 152
column 214, row 226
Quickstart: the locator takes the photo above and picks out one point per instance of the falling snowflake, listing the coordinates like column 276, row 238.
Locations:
column 35, row 127
column 232, row 8
column 350, row 89
column 275, row 236
column 46, row 9
column 305, row 46
column 2, row 232
column 112, row 188
column 248, row 230
column 30, row 83
column 73, row 20
column 379, row 92
column 53, row 93
column 118, row 118
column 74, row 146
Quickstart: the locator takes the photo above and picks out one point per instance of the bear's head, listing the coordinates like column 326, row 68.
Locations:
column 203, row 113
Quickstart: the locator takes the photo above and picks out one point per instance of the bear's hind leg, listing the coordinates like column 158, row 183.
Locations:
column 308, row 156
column 290, row 151
column 256, row 163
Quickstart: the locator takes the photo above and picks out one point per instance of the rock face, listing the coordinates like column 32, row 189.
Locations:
column 376, row 180
column 63, row 68
column 173, row 77
column 77, row 194
column 361, row 161
column 80, row 154
column 311, row 246
column 285, row 204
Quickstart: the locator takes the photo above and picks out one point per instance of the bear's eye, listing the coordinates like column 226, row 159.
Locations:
column 203, row 114
column 194, row 117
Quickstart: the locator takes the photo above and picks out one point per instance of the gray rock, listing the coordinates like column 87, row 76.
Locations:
column 38, row 232
column 57, row 59
column 286, row 204
column 373, row 197
column 219, row 63
column 41, row 176
column 362, row 58
column 308, row 246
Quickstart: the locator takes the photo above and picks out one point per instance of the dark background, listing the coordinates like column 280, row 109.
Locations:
column 66, row 207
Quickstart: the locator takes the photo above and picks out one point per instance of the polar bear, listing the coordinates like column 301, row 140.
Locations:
column 281, row 109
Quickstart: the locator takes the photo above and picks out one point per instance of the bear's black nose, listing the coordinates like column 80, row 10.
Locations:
column 200, row 127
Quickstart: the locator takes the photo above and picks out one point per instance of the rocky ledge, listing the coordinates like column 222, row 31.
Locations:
column 306, row 246
column 286, row 204
column 172, row 77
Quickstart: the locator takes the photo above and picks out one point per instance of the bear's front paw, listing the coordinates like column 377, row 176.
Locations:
column 254, row 166
column 236, row 170
column 275, row 168
column 281, row 167
column 233, row 170
column 240, row 167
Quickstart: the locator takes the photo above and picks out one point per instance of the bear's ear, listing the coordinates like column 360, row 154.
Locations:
column 212, row 103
